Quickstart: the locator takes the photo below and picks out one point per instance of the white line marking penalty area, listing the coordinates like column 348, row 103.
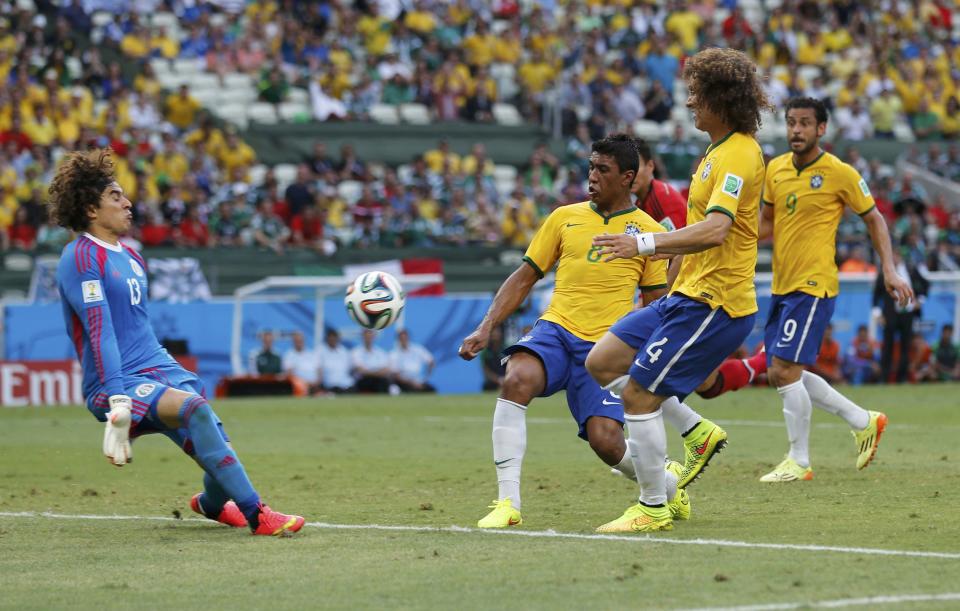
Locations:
column 548, row 534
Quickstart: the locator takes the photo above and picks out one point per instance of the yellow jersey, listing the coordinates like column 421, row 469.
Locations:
column 589, row 294
column 729, row 180
column 807, row 205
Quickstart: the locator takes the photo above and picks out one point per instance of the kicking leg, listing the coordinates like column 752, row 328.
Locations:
column 177, row 409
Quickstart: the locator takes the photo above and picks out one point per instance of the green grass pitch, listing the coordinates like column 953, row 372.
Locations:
column 425, row 462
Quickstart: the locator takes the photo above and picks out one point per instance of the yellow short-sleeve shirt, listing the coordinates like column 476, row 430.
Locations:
column 807, row 205
column 729, row 180
column 591, row 294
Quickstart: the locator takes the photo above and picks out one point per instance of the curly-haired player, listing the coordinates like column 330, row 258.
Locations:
column 675, row 343
column 129, row 380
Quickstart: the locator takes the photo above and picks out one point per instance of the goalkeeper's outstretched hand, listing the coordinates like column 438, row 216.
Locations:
column 116, row 435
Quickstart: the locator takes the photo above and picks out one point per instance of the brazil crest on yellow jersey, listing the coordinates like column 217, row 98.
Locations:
column 729, row 180
column 807, row 205
column 590, row 294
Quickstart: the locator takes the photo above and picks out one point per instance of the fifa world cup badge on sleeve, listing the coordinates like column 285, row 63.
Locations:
column 92, row 291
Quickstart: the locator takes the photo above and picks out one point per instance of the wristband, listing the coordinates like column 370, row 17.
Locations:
column 645, row 244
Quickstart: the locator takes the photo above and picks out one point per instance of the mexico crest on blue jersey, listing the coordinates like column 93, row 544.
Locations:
column 816, row 181
column 136, row 267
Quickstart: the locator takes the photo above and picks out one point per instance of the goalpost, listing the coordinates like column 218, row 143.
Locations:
column 292, row 288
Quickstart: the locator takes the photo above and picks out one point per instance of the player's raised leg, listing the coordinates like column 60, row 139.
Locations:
column 733, row 374
column 181, row 410
column 609, row 361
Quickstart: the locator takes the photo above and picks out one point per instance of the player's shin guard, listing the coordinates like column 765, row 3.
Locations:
column 509, row 446
column 647, row 442
column 796, row 413
column 218, row 460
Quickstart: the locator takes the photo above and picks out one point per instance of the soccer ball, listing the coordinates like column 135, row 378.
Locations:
column 374, row 300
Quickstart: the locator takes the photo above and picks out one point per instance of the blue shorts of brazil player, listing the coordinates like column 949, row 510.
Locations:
column 679, row 342
column 795, row 326
column 563, row 355
column 145, row 389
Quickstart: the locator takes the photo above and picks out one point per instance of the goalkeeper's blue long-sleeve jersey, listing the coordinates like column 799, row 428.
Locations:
column 103, row 291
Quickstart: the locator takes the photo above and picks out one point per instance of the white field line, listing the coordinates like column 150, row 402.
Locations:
column 756, row 423
column 547, row 534
column 843, row 602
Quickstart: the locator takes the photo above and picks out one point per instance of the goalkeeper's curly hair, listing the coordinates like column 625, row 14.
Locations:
column 726, row 82
column 77, row 187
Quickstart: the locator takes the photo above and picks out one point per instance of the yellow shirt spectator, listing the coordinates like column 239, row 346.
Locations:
column 436, row 158
column 182, row 109
column 68, row 126
column 507, row 49
column 8, row 208
column 536, row 75
column 172, row 165
column 168, row 46
column 341, row 60
column 146, row 85
column 478, row 49
column 134, row 45
column 421, row 22
column 376, row 33
column 811, row 50
column 236, row 154
column 41, row 129
column 685, row 24
column 837, row 40
column 884, row 111
column 125, row 176
column 212, row 140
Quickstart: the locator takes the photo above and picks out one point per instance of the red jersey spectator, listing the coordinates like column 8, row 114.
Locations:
column 192, row 231
column 22, row 234
column 156, row 231
column 307, row 227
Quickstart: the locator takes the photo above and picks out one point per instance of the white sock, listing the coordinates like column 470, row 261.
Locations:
column 647, row 442
column 796, row 413
column 827, row 398
column 680, row 415
column 625, row 466
column 509, row 446
column 671, row 480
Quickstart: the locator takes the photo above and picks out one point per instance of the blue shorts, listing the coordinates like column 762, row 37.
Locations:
column 563, row 355
column 145, row 388
column 679, row 342
column 795, row 326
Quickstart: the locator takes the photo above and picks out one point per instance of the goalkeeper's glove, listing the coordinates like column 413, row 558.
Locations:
column 116, row 435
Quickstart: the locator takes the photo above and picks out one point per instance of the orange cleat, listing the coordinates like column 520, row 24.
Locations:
column 229, row 515
column 275, row 524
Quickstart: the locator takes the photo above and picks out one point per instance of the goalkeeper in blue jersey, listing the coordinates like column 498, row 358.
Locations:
column 129, row 381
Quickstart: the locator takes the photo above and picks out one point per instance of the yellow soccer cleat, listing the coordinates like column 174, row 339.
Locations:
column 699, row 446
column 868, row 439
column 640, row 518
column 502, row 516
column 788, row 471
column 680, row 505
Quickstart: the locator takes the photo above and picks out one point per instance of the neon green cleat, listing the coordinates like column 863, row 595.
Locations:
column 699, row 446
column 502, row 516
column 680, row 505
column 788, row 471
column 868, row 439
column 640, row 518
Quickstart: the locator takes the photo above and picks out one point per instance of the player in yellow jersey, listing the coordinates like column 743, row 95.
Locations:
column 804, row 196
column 590, row 295
column 675, row 343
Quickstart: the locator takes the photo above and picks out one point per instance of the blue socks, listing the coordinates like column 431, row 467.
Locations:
column 225, row 476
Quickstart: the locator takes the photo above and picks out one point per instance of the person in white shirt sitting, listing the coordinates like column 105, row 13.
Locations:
column 411, row 364
column 371, row 366
column 335, row 364
column 301, row 362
